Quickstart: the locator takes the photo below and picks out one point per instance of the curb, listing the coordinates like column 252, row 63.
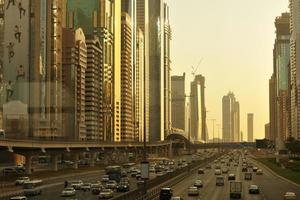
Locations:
column 274, row 173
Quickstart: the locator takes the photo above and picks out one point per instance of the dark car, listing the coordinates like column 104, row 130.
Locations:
column 201, row 171
column 231, row 177
column 253, row 189
column 244, row 169
column 123, row 187
column 165, row 194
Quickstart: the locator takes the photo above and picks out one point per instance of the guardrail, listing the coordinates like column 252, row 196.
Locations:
column 168, row 180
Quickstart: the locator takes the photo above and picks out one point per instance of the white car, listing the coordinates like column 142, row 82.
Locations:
column 290, row 196
column 22, row 180
column 111, row 184
column 105, row 178
column 218, row 172
column 77, row 184
column 259, row 172
column 198, row 183
column 86, row 187
column 193, row 191
column 68, row 192
column 106, row 194
column 18, row 198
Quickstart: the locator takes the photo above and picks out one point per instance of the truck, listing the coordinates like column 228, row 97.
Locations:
column 235, row 190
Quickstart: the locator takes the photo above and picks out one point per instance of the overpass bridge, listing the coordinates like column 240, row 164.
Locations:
column 36, row 147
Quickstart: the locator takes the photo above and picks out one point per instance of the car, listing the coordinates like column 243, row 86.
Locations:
column 208, row 167
column 289, row 196
column 106, row 194
column 253, row 189
column 22, row 180
column 259, row 172
column 248, row 176
column 18, row 198
column 86, row 187
column 235, row 164
column 9, row 170
column 77, row 184
column 138, row 176
column 68, row 192
column 176, row 198
column 218, row 172
column 198, row 183
column 231, row 177
column 105, row 178
column 111, row 184
column 165, row 194
column 218, row 167
column 200, row 171
column 244, row 169
column 220, row 181
column 225, row 170
column 158, row 174
column 140, row 183
column 123, row 187
column 254, row 169
column 193, row 191
column 96, row 188
column 20, row 168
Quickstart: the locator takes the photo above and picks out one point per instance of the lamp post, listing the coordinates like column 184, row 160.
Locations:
column 213, row 121
column 218, row 125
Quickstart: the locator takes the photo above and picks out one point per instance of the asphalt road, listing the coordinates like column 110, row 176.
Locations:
column 53, row 191
column 271, row 187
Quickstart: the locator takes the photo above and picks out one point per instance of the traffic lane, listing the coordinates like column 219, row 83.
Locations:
column 272, row 186
column 246, row 184
column 54, row 192
column 209, row 190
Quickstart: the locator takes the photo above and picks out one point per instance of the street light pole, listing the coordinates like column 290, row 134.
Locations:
column 218, row 125
column 213, row 120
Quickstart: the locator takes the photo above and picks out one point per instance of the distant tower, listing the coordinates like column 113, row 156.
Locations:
column 231, row 118
column 198, row 109
column 250, row 126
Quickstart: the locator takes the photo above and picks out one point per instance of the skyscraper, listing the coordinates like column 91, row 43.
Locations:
column 126, row 79
column 281, row 57
column 142, row 23
column 94, row 90
column 73, row 80
column 198, row 109
column 36, row 84
column 167, row 72
column 178, row 101
column 267, row 131
column 103, row 18
column 250, row 119
column 231, row 118
column 156, row 70
column 295, row 67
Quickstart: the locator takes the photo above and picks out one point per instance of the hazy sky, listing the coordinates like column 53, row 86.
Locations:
column 235, row 39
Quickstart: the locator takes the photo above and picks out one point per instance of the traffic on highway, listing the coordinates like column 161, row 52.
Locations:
column 112, row 182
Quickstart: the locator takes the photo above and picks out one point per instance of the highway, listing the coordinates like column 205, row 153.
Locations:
column 271, row 186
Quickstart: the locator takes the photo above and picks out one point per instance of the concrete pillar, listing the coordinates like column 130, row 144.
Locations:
column 92, row 159
column 28, row 164
column 170, row 150
column 54, row 159
column 75, row 160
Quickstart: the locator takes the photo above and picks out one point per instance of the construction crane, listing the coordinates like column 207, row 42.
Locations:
column 194, row 70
